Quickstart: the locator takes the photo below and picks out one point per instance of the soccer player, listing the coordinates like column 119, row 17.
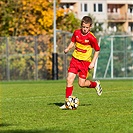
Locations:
column 83, row 41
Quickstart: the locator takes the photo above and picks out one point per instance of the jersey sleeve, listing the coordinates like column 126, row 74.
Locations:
column 94, row 43
column 73, row 38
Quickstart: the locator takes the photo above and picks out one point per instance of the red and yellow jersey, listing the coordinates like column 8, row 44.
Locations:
column 84, row 45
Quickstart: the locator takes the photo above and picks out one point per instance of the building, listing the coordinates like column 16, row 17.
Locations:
column 114, row 14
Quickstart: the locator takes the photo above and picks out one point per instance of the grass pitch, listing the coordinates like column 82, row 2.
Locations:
column 33, row 107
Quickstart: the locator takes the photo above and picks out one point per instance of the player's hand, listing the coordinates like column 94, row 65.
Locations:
column 66, row 50
column 91, row 66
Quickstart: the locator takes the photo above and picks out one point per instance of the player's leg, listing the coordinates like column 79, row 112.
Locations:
column 91, row 84
column 87, row 83
column 72, row 71
column 69, row 86
column 83, row 82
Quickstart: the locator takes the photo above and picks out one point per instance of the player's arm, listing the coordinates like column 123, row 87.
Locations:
column 96, row 53
column 70, row 46
column 92, row 64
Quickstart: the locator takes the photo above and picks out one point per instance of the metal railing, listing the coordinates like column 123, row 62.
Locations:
column 30, row 57
column 116, row 57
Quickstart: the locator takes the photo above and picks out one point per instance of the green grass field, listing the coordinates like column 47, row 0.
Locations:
column 33, row 107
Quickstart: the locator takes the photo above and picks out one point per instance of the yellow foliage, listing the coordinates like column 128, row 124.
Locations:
column 32, row 17
column 42, row 14
column 24, row 3
column 11, row 29
column 60, row 12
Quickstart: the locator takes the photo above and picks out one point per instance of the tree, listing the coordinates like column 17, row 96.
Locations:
column 68, row 22
column 25, row 17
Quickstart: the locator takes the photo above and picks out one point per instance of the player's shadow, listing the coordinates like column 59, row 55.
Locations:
column 85, row 104
column 58, row 104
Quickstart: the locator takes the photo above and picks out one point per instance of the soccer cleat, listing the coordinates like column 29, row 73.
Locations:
column 98, row 88
column 63, row 107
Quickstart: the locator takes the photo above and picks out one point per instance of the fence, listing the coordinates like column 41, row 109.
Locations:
column 30, row 57
column 116, row 57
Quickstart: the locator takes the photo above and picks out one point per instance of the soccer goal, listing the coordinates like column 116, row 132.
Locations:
column 115, row 58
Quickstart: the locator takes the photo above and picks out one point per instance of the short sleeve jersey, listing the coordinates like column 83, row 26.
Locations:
column 84, row 45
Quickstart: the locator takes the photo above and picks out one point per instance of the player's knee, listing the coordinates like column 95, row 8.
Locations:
column 69, row 80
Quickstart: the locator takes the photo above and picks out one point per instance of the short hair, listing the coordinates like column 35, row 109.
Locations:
column 86, row 20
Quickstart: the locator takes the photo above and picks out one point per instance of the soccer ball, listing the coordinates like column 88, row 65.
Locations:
column 72, row 102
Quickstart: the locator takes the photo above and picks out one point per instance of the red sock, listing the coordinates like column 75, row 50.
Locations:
column 93, row 84
column 69, row 91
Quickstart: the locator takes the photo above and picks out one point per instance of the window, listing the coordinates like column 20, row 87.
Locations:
column 84, row 7
column 130, row 8
column 98, row 7
column 94, row 7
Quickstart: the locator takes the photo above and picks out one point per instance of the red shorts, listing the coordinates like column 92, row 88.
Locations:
column 79, row 67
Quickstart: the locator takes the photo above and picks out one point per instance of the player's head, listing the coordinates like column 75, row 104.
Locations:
column 86, row 24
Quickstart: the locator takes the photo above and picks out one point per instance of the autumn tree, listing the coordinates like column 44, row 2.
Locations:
column 68, row 22
column 26, row 17
column 32, row 17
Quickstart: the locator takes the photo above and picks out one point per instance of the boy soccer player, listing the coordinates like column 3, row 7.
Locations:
column 84, row 41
